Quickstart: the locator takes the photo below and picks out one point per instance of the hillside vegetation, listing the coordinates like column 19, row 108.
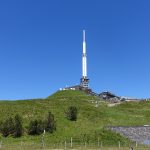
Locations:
column 91, row 120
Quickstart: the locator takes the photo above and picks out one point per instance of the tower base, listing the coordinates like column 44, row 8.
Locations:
column 84, row 82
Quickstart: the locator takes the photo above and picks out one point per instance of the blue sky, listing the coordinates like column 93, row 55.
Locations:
column 41, row 46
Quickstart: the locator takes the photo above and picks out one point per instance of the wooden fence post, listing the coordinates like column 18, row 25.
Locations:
column 0, row 144
column 119, row 144
column 136, row 144
column 65, row 145
column 71, row 142
column 85, row 144
column 101, row 144
column 21, row 144
column 98, row 143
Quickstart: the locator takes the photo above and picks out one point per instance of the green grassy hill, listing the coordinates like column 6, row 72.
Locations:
column 91, row 120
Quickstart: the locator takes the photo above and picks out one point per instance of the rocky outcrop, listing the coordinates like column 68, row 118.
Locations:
column 139, row 134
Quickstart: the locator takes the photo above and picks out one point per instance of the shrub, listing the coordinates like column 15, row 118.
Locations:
column 35, row 127
column 12, row 126
column 50, row 123
column 7, row 127
column 71, row 113
column 1, row 126
column 18, row 129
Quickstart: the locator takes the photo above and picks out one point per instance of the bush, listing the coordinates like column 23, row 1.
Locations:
column 18, row 129
column 7, row 127
column 71, row 113
column 35, row 127
column 50, row 123
column 12, row 126
column 1, row 126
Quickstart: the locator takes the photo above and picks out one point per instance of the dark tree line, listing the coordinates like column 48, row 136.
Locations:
column 13, row 126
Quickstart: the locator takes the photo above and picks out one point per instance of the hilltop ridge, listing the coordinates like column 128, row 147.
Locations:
column 93, row 115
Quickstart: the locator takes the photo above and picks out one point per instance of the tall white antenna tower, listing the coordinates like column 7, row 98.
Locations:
column 84, row 80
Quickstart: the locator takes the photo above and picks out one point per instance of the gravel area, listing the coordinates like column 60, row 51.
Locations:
column 139, row 134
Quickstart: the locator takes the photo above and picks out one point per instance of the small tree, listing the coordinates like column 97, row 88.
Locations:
column 71, row 113
column 1, row 126
column 35, row 127
column 50, row 123
column 18, row 129
column 7, row 127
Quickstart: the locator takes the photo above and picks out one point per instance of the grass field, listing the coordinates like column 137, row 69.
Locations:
column 91, row 120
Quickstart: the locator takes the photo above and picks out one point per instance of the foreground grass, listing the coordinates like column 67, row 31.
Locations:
column 61, row 146
column 91, row 120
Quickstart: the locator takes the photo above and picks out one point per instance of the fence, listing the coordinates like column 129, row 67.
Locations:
column 74, row 144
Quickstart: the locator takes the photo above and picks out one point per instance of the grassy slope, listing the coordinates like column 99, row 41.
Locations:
column 90, row 122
